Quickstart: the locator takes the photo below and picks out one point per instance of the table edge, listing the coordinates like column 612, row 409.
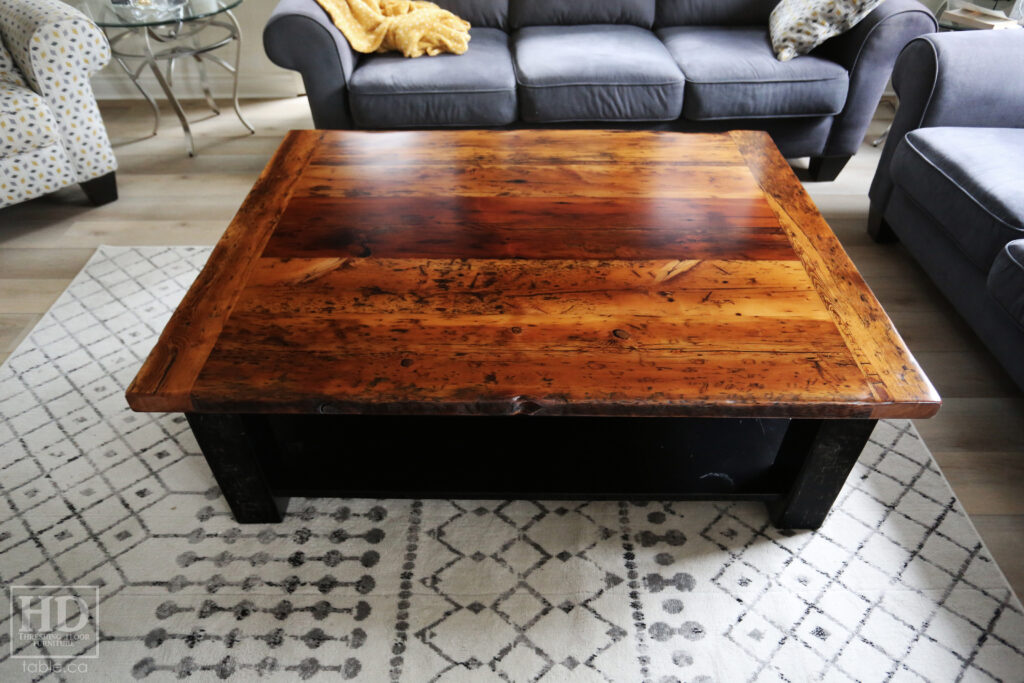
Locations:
column 164, row 382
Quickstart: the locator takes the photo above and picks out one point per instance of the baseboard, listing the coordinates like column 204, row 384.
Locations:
column 117, row 86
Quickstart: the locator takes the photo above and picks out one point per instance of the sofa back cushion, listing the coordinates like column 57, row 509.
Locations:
column 576, row 12
column 713, row 12
column 483, row 13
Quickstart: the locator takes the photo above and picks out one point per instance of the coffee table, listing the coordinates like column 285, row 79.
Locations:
column 544, row 314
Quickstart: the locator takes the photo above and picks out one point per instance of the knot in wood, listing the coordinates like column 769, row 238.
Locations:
column 522, row 405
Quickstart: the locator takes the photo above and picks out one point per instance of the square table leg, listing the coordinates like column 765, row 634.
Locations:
column 234, row 446
column 816, row 457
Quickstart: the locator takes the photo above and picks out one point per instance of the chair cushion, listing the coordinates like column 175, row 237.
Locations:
column 596, row 72
column 968, row 179
column 26, row 123
column 1006, row 280
column 482, row 13
column 477, row 88
column 573, row 12
column 713, row 12
column 731, row 72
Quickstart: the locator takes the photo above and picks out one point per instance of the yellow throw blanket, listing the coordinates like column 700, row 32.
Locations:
column 415, row 28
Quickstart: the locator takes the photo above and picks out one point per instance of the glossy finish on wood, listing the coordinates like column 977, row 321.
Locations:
column 526, row 272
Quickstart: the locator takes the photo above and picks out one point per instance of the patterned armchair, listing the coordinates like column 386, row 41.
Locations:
column 51, row 132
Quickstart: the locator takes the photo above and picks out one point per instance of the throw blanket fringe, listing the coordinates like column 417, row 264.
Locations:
column 412, row 27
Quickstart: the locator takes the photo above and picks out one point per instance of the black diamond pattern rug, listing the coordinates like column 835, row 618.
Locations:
column 895, row 586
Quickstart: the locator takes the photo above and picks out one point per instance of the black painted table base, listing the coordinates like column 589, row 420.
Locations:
column 797, row 467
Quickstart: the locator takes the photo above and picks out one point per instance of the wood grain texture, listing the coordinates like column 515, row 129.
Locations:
column 562, row 273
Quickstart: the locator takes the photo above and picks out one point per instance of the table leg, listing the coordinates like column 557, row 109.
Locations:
column 204, row 80
column 238, row 59
column 814, row 460
column 235, row 446
column 134, row 77
column 169, row 93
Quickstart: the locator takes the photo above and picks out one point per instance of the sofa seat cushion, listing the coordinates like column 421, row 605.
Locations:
column 26, row 123
column 595, row 72
column 477, row 88
column 968, row 179
column 731, row 72
column 1006, row 280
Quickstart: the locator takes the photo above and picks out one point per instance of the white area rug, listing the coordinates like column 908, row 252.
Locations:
column 895, row 586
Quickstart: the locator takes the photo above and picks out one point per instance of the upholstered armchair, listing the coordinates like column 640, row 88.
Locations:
column 51, row 132
column 950, row 183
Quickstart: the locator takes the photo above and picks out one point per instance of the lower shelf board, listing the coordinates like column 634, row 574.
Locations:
column 531, row 457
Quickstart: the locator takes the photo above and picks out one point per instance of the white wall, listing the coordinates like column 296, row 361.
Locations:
column 258, row 76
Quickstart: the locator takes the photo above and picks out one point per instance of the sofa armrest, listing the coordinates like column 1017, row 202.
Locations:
column 57, row 49
column 868, row 51
column 963, row 78
column 966, row 78
column 300, row 36
column 49, row 39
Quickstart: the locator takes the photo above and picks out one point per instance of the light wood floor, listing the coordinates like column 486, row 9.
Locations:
column 167, row 198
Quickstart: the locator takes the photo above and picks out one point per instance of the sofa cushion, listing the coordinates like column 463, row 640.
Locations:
column 731, row 72
column 713, row 12
column 968, row 179
column 26, row 123
column 477, row 88
column 595, row 73
column 482, row 13
column 1006, row 280
column 572, row 12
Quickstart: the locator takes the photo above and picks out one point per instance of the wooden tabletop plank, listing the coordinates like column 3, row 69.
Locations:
column 490, row 382
column 555, row 180
column 526, row 212
column 279, row 303
column 368, row 333
column 525, row 148
column 164, row 382
column 486, row 242
column 661, row 276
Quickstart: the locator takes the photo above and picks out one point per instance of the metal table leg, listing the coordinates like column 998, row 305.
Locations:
column 204, row 80
column 232, row 68
column 169, row 93
column 133, row 76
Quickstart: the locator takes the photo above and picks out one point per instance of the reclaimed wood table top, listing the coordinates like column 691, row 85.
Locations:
column 537, row 272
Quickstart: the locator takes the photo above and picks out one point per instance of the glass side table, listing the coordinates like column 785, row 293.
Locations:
column 148, row 32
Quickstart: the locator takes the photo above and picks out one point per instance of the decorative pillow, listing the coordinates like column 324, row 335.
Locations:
column 798, row 26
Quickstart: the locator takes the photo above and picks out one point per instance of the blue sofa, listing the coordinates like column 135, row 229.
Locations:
column 950, row 183
column 671, row 64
